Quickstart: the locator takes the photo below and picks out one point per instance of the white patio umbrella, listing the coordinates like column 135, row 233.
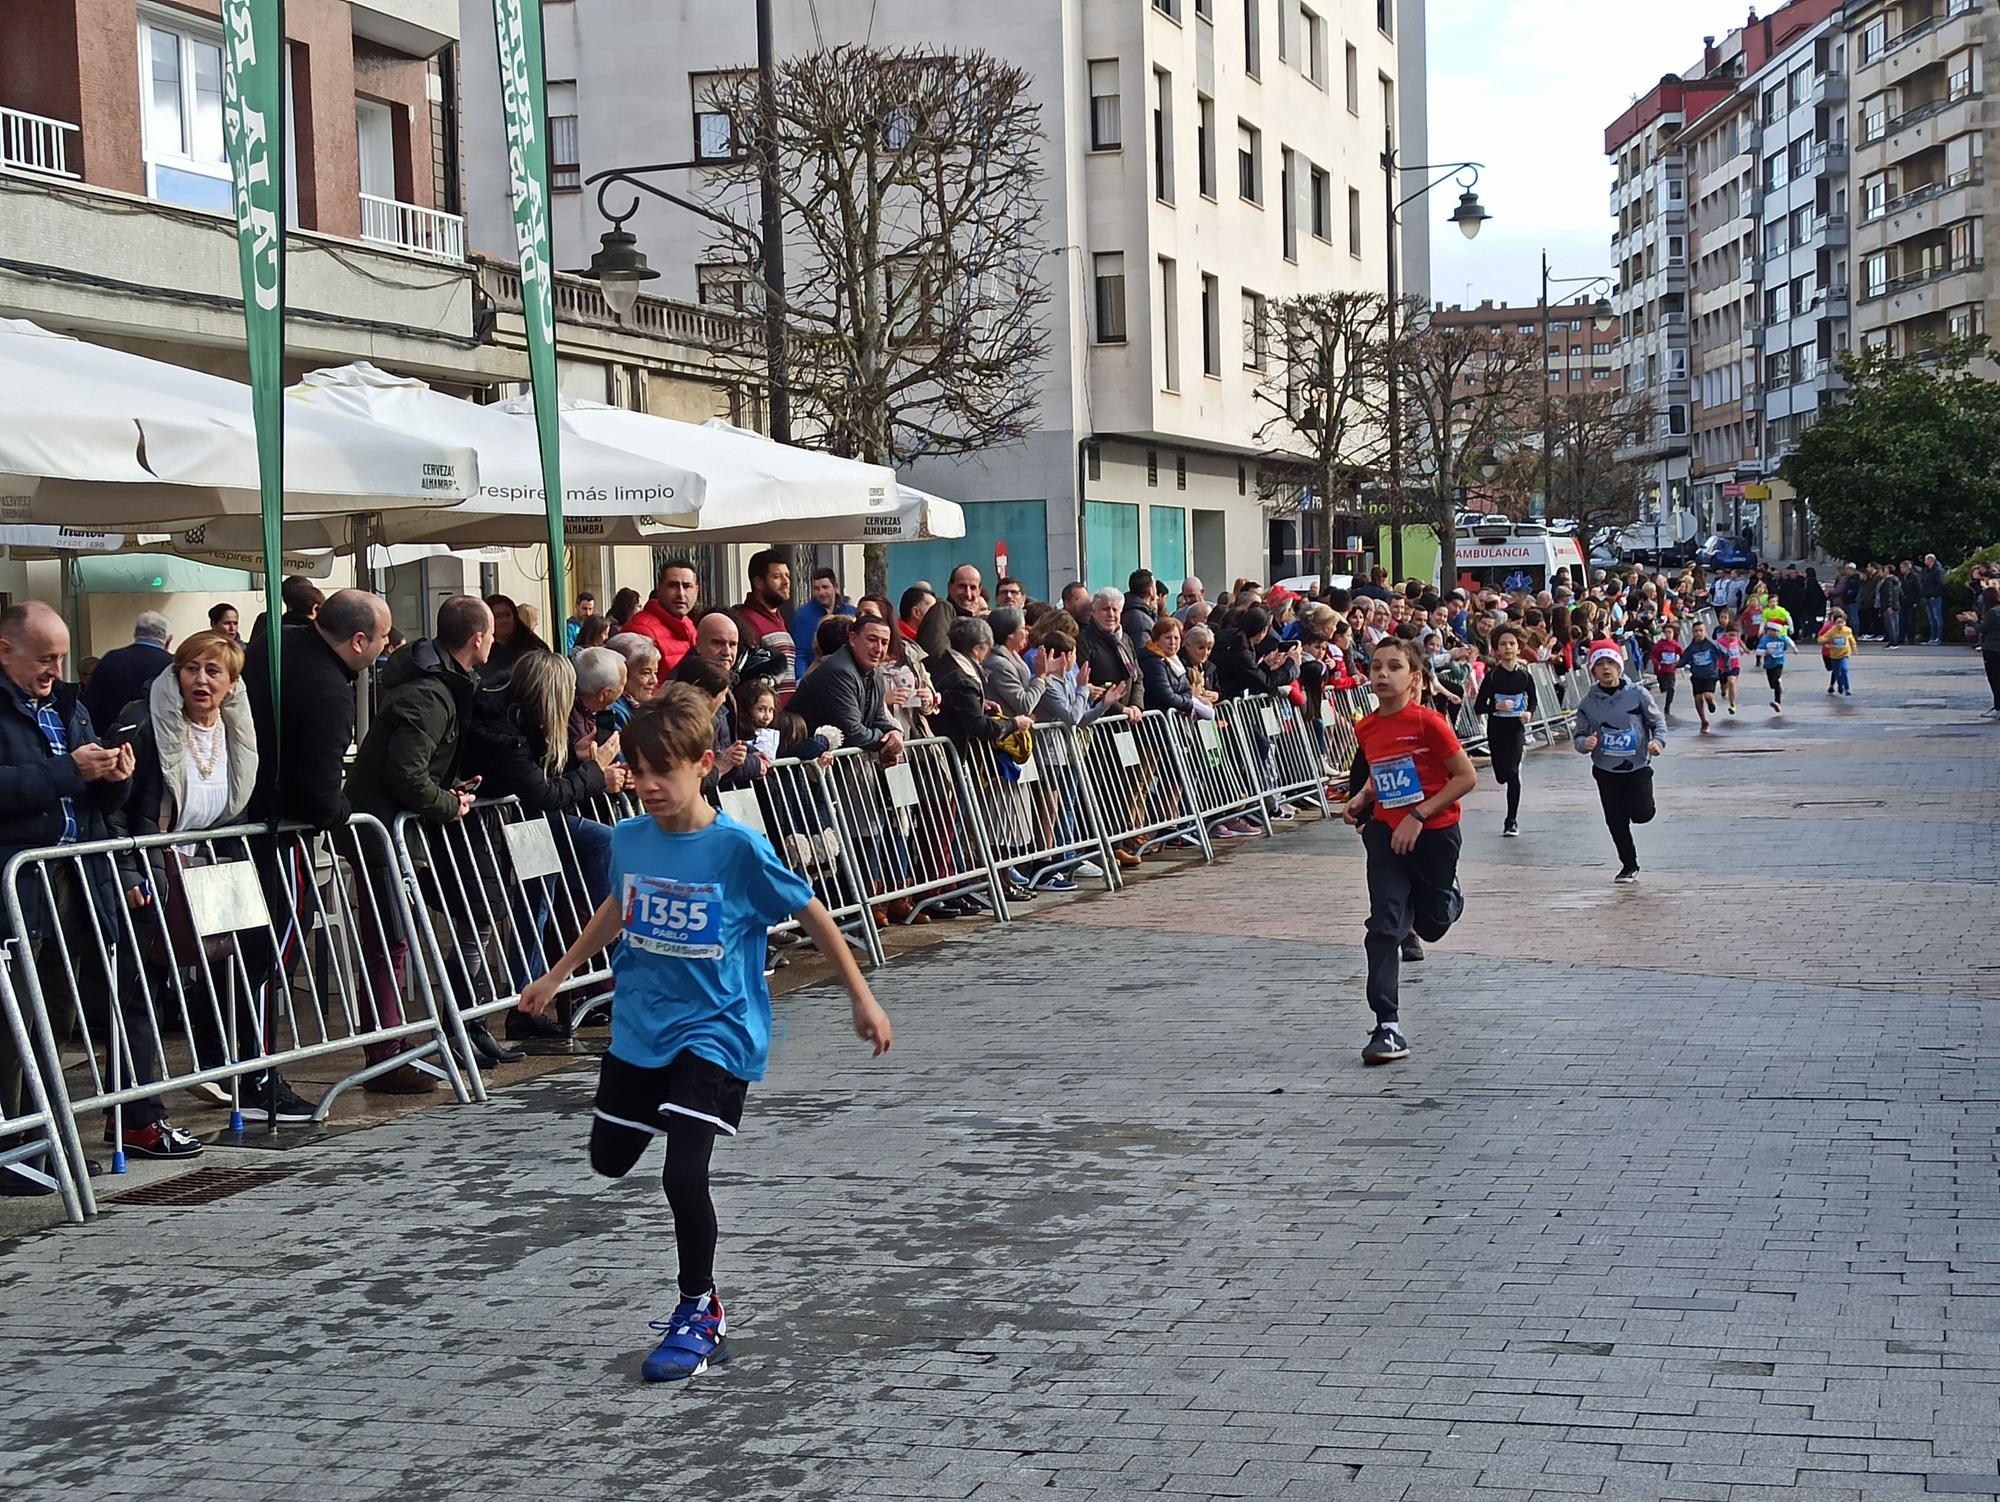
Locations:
column 98, row 437
column 761, row 491
column 610, row 494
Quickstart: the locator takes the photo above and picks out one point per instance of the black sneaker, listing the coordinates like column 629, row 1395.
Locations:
column 1386, row 1045
column 259, row 1096
column 1627, row 875
column 1510, row 830
column 1412, row 950
column 524, row 1027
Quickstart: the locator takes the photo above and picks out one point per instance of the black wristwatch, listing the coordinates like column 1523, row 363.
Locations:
column 1419, row 816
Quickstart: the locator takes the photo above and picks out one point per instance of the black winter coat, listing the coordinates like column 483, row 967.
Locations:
column 300, row 762
column 33, row 783
column 961, row 715
column 504, row 750
column 1112, row 662
column 410, row 759
column 1238, row 670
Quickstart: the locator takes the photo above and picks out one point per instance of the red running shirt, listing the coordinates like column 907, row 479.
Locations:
column 1406, row 754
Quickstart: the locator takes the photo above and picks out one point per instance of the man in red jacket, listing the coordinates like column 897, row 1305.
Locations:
column 667, row 620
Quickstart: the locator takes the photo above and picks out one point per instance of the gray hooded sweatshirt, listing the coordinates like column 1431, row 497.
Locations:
column 1625, row 719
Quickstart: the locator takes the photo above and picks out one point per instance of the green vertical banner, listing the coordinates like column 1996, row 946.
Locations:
column 253, row 124
column 524, row 98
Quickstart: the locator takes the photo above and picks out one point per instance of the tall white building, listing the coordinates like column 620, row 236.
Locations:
column 1201, row 158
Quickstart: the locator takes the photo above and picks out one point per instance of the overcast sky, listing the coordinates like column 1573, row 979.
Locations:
column 1527, row 87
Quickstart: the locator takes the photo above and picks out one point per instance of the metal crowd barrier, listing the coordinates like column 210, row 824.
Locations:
column 35, row 1129
column 243, row 951
column 1040, row 814
column 1281, row 740
column 1554, row 706
column 919, row 832
column 1142, row 792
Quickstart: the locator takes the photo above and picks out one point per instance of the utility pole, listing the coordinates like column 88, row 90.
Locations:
column 1542, row 507
column 1395, row 384
column 779, row 403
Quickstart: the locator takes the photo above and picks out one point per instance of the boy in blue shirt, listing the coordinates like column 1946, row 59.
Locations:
column 694, row 894
column 1772, row 650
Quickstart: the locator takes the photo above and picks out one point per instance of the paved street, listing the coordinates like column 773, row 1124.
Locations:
column 1688, row 1192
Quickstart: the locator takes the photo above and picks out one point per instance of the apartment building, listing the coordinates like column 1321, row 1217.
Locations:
column 1922, row 203
column 116, row 225
column 1581, row 358
column 1202, row 159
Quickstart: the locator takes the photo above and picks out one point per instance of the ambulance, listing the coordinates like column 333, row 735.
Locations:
column 1512, row 556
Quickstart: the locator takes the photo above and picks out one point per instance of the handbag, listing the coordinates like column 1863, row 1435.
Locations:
column 175, row 944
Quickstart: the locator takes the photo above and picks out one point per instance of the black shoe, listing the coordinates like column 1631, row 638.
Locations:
column 1020, row 894
column 259, row 1096
column 1386, row 1045
column 1412, row 950
column 521, row 1026
column 1510, row 830
column 404, row 1079
column 487, row 1047
column 1627, row 874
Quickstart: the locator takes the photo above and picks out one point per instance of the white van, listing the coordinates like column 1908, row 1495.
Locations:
column 1509, row 556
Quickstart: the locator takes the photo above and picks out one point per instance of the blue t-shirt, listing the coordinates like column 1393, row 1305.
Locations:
column 1704, row 659
column 690, row 974
column 1776, row 647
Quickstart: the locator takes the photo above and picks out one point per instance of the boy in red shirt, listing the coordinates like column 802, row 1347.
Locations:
column 1403, row 793
column 1665, row 661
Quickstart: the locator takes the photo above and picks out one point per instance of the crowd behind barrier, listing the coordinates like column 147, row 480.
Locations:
column 207, row 959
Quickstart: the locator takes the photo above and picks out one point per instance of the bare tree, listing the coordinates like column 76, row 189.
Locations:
column 1587, row 479
column 1466, row 392
column 1324, row 368
column 910, row 184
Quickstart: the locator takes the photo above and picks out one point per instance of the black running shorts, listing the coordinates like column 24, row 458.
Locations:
column 631, row 1095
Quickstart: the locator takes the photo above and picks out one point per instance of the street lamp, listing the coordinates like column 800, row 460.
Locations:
column 1470, row 216
column 1489, row 464
column 619, row 269
column 1602, row 316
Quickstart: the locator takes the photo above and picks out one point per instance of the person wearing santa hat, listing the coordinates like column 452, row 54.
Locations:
column 1621, row 730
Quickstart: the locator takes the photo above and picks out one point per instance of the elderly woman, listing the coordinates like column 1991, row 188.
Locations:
column 600, row 683
column 642, row 673
column 1010, row 682
column 194, row 766
column 1167, row 684
column 959, row 675
column 520, row 742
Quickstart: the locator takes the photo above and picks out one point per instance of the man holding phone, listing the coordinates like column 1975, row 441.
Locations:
column 409, row 764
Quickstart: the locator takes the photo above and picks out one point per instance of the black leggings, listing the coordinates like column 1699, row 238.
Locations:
column 1628, row 799
column 1504, row 740
column 1992, row 660
column 1775, row 676
column 615, row 1148
column 1667, row 692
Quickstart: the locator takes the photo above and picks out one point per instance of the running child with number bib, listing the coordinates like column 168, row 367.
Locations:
column 1706, row 662
column 1773, row 647
column 1838, row 649
column 1507, row 699
column 1731, row 641
column 694, row 894
column 1665, row 661
column 1621, row 731
column 1408, row 775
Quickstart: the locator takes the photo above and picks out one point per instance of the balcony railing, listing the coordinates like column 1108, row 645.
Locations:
column 35, row 143
column 426, row 232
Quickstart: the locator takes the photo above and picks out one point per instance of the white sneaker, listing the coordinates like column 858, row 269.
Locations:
column 1087, row 871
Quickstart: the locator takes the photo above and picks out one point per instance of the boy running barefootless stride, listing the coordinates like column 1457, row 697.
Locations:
column 694, row 895
column 1404, row 787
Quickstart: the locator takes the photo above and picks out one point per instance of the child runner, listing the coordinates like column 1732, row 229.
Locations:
column 1507, row 700
column 1773, row 647
column 1618, row 727
column 1665, row 661
column 1838, row 648
column 1408, row 775
column 1731, row 642
column 693, row 896
column 1706, row 662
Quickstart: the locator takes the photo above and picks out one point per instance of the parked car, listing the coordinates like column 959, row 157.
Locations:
column 1721, row 550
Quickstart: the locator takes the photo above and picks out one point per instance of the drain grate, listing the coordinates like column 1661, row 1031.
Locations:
column 1842, row 803
column 1752, row 751
column 205, row 1186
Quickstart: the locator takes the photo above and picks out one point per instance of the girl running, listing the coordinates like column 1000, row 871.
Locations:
column 1837, row 648
column 1730, row 639
column 1772, row 649
column 1507, row 700
column 1665, row 661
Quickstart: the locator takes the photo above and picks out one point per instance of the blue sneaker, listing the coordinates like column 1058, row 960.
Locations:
column 691, row 1341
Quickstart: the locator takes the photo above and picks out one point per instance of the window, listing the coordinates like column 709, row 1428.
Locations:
column 1180, row 471
column 1677, row 250
column 1256, row 338
column 1874, row 118
column 1288, row 198
column 1775, row 173
column 565, row 162
column 1388, row 89
column 181, row 124
column 1206, row 10
column 1576, row 351
column 1104, row 134
column 1874, row 275
column 1874, row 196
column 1354, row 222
column 1170, row 324
column 1253, row 42
column 1966, row 323
column 1958, row 75
column 1108, row 273
column 1312, row 47
column 1776, row 238
column 1778, row 304
column 1249, row 162
column 1322, row 204
column 1163, row 136
column 1204, row 144
column 1385, row 17
column 1601, row 347
column 1211, row 326
column 1961, row 245
column 729, row 284
column 1874, row 39
column 714, row 135
column 1353, row 81
column 1774, row 102
column 1555, row 351
column 1152, row 466
column 1962, row 158
column 1169, row 8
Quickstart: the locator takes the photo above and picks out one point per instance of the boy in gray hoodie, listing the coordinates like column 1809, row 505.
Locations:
column 1620, row 728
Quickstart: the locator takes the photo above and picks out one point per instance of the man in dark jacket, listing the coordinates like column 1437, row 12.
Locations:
column 409, row 764
column 1103, row 647
column 56, row 785
column 1930, row 584
column 846, row 691
column 127, row 673
column 1912, row 585
column 1136, row 620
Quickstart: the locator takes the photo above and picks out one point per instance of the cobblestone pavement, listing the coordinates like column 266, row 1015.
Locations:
column 1688, row 1192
